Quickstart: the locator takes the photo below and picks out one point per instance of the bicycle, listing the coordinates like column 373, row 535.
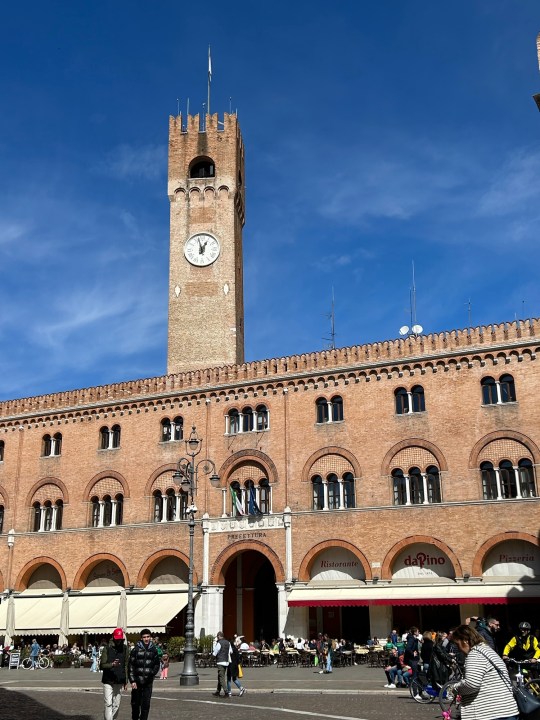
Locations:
column 43, row 662
column 533, row 684
column 424, row 691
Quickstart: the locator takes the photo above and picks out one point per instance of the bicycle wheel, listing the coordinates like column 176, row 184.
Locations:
column 533, row 686
column 43, row 663
column 26, row 663
column 447, row 696
column 420, row 693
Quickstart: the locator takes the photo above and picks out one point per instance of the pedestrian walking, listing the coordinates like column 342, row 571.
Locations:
column 222, row 653
column 114, row 663
column 143, row 668
column 486, row 690
column 234, row 669
column 34, row 654
column 165, row 666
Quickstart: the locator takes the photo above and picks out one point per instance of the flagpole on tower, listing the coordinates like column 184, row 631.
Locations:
column 209, row 77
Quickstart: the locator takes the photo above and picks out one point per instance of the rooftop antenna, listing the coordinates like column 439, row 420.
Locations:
column 230, row 106
column 469, row 314
column 415, row 329
column 209, row 76
column 332, row 317
column 178, row 106
column 536, row 96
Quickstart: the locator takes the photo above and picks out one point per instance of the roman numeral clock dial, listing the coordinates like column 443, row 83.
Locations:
column 202, row 249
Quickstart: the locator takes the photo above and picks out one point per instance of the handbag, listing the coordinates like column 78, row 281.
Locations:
column 527, row 702
column 240, row 672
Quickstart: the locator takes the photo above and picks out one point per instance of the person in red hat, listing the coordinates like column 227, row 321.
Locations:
column 114, row 663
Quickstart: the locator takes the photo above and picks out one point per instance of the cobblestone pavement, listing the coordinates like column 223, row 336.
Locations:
column 355, row 693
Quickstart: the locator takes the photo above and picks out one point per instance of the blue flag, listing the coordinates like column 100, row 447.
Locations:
column 253, row 507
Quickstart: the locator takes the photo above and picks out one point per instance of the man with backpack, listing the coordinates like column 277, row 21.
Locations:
column 114, row 663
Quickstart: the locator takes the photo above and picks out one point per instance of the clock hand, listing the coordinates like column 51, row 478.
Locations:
column 201, row 249
column 204, row 246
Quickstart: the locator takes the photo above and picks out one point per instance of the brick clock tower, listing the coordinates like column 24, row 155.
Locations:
column 206, row 192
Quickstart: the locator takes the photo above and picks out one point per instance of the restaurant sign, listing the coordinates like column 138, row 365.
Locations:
column 422, row 561
column 337, row 564
column 513, row 558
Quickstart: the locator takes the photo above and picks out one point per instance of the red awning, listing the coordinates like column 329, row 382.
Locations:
column 428, row 595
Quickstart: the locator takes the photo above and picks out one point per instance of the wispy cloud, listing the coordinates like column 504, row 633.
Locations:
column 129, row 162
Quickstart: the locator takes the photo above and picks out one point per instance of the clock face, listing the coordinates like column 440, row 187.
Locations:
column 201, row 249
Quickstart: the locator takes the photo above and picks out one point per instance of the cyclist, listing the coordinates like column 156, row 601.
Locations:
column 523, row 646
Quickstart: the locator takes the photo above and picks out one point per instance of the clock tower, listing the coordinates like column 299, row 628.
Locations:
column 206, row 193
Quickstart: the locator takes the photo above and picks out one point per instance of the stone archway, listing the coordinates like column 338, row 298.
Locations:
column 249, row 572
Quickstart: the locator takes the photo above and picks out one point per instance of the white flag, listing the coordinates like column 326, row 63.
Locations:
column 209, row 65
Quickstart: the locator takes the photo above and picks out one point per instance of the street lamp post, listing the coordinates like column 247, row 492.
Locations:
column 186, row 475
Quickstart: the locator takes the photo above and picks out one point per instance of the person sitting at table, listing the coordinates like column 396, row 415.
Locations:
column 244, row 647
column 299, row 644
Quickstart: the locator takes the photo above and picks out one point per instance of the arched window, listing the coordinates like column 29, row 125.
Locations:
column 171, row 505
column 95, row 511
column 57, row 444
column 107, row 511
column 36, row 517
column 489, row 391
column 333, row 491
column 1, row 518
column 526, row 478
column 109, row 439
column 348, row 490
column 158, row 506
column 264, row 496
column 418, row 401
column 399, row 487
column 337, row 408
column 237, row 504
column 433, row 484
column 119, row 508
column 416, row 486
column 508, row 389
column 166, row 430
column 508, row 479
column 247, row 419
column 116, row 436
column 402, row 401
column 318, row 492
column 489, row 481
column 172, row 430
column 46, row 446
column 104, row 438
column 48, row 516
column 202, row 168
column 1, row 451
column 233, row 422
column 178, row 428
column 262, row 418
column 322, row 410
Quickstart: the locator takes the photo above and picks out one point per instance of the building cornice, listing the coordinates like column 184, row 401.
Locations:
column 421, row 353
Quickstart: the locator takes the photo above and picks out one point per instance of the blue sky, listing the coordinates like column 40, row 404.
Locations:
column 376, row 134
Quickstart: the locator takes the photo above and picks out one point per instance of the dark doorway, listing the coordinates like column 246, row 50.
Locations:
column 250, row 598
column 425, row 617
column 350, row 623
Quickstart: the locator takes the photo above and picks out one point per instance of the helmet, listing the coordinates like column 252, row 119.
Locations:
column 525, row 626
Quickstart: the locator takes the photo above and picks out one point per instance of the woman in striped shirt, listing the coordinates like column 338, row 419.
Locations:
column 486, row 691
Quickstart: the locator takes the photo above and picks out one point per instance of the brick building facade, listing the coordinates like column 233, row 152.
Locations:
column 383, row 484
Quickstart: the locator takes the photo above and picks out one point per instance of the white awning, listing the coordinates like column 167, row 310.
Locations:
column 154, row 610
column 435, row 594
column 37, row 612
column 95, row 611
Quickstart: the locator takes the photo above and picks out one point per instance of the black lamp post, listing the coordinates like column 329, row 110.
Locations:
column 186, row 475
